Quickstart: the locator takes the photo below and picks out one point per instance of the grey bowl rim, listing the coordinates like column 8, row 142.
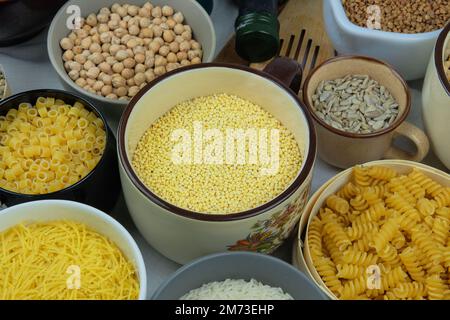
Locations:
column 206, row 259
column 99, row 99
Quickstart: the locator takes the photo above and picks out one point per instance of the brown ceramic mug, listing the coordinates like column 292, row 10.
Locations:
column 345, row 149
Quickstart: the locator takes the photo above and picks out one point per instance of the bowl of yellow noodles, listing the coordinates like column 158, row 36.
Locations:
column 64, row 250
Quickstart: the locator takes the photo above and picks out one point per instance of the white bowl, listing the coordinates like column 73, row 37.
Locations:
column 408, row 53
column 303, row 257
column 195, row 16
column 51, row 210
column 436, row 99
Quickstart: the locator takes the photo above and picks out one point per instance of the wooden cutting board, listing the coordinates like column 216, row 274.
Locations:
column 302, row 33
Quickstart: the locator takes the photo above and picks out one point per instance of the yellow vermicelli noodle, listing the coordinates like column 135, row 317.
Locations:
column 63, row 260
column 48, row 147
column 391, row 227
column 214, row 188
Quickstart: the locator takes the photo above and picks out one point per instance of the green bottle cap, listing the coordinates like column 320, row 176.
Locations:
column 257, row 36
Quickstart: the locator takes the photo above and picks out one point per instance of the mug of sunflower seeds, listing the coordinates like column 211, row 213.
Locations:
column 359, row 106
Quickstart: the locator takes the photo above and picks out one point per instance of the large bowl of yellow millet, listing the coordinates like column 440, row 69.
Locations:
column 216, row 157
column 56, row 145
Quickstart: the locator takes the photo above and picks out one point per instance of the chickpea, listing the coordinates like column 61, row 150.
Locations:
column 132, row 43
column 160, row 40
column 106, row 37
column 139, row 58
column 68, row 55
column 149, row 75
column 123, row 24
column 74, row 74
column 139, row 68
column 187, row 35
column 105, row 10
column 127, row 73
column 66, row 44
column 87, row 28
column 122, row 55
column 167, row 11
column 73, row 65
column 72, row 36
column 144, row 22
column 185, row 62
column 195, row 45
column 111, row 60
column 112, row 96
column 134, row 30
column 115, row 16
column 146, row 33
column 196, row 60
column 160, row 61
column 149, row 54
column 107, row 79
column 139, row 50
column 150, row 62
column 91, row 20
column 182, row 56
column 113, row 24
column 157, row 12
column 129, row 63
column 130, row 52
column 174, row 47
column 88, row 65
column 80, row 58
column 121, row 91
column 168, row 36
column 164, row 50
column 157, row 21
column 120, row 32
column 98, row 85
column 86, row 42
column 104, row 67
column 139, row 78
column 95, row 48
column 145, row 12
column 114, row 7
column 86, row 53
column 122, row 11
column 105, row 49
column 96, row 58
column 81, row 82
column 81, row 33
column 178, row 29
column 159, row 71
column 118, row 67
column 172, row 57
column 132, row 91
column 148, row 5
column 133, row 10
column 157, row 31
column 67, row 65
column 154, row 46
column 93, row 73
column 179, row 39
column 172, row 66
column 114, row 49
column 185, row 46
column 171, row 23
column 117, row 81
column 102, row 18
column 178, row 17
column 115, row 40
column 164, row 26
column 130, row 82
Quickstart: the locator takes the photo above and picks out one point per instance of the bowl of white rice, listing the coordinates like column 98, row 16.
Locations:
column 238, row 276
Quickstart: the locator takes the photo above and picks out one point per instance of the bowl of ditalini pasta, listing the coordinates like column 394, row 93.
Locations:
column 56, row 145
column 379, row 231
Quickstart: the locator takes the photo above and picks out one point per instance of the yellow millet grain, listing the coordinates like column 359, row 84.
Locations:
column 214, row 188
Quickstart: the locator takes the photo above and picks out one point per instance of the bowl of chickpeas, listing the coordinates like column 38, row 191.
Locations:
column 56, row 145
column 379, row 231
column 108, row 51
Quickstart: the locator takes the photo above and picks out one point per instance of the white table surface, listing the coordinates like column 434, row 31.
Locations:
column 27, row 67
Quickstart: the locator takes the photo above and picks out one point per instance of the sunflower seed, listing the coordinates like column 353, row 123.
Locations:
column 355, row 103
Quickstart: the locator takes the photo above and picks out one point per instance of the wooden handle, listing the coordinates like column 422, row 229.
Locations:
column 287, row 70
column 417, row 136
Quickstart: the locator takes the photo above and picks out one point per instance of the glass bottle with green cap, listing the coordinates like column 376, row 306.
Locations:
column 257, row 30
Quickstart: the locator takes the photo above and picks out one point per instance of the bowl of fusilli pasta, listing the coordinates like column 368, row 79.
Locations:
column 380, row 231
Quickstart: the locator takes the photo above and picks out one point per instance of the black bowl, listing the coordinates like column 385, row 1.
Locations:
column 100, row 188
